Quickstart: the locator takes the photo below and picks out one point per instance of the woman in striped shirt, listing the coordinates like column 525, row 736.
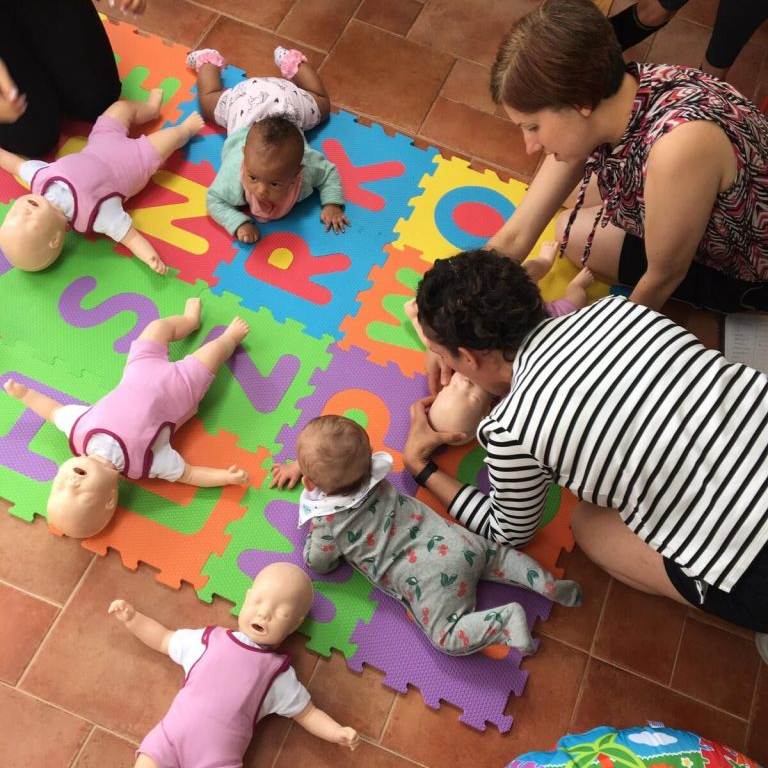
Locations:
column 664, row 442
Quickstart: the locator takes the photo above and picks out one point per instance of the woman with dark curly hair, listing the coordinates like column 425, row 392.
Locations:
column 680, row 159
column 662, row 440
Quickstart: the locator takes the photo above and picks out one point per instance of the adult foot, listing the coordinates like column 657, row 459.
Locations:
column 288, row 61
column 196, row 59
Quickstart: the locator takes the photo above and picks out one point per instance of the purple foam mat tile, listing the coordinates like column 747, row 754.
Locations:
column 476, row 684
column 71, row 309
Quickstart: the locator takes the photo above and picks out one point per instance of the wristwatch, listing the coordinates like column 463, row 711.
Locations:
column 426, row 473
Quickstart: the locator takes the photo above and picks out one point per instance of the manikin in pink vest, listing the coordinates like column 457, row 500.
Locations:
column 233, row 679
column 128, row 431
column 85, row 190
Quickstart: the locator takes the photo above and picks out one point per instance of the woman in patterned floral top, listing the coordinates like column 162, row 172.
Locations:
column 680, row 159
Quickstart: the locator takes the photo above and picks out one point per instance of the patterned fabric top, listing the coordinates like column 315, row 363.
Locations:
column 736, row 239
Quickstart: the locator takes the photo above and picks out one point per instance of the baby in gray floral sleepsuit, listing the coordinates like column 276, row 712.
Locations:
column 405, row 548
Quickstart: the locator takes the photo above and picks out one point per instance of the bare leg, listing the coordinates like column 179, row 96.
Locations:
column 167, row 140
column 216, row 352
column 175, row 327
column 538, row 266
column 209, row 89
column 145, row 761
column 576, row 291
column 136, row 112
column 608, row 542
column 606, row 245
column 308, row 79
column 41, row 404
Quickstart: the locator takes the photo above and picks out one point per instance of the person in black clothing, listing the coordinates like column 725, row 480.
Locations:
column 57, row 63
column 735, row 23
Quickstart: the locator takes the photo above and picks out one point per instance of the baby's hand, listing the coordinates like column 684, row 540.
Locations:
column 14, row 389
column 247, row 233
column 121, row 610
column 349, row 737
column 334, row 218
column 237, row 476
column 285, row 475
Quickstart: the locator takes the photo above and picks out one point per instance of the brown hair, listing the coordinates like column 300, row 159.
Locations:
column 335, row 454
column 562, row 54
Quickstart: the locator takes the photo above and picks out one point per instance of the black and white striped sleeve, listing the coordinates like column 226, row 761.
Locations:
column 511, row 513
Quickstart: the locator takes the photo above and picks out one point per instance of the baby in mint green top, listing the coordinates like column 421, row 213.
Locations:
column 268, row 167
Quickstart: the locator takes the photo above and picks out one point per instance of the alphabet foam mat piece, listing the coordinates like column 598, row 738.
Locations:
column 328, row 334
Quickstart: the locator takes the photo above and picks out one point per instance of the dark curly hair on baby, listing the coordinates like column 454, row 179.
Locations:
column 276, row 132
column 479, row 300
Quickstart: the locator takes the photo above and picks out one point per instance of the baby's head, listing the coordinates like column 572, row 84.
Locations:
column 334, row 454
column 32, row 234
column 276, row 604
column 83, row 496
column 460, row 407
column 274, row 150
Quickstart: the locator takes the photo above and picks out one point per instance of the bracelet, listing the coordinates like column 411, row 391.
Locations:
column 429, row 468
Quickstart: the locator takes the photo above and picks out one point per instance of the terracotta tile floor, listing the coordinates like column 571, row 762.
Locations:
column 77, row 691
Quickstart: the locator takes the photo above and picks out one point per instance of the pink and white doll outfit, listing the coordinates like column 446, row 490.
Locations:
column 132, row 425
column 89, row 186
column 231, row 683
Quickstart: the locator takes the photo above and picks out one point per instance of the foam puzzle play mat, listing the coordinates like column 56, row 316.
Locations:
column 328, row 335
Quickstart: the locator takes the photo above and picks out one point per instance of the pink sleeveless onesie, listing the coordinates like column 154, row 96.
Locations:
column 210, row 722
column 110, row 165
column 152, row 394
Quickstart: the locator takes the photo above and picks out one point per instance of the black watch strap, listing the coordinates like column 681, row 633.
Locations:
column 426, row 473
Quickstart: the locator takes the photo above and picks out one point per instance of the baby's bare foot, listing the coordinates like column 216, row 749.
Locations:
column 155, row 100
column 192, row 310
column 584, row 279
column 237, row 330
column 14, row 389
column 193, row 124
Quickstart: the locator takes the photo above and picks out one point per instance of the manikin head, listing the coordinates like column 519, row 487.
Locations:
column 460, row 407
column 32, row 234
column 276, row 604
column 334, row 454
column 83, row 496
column 274, row 150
